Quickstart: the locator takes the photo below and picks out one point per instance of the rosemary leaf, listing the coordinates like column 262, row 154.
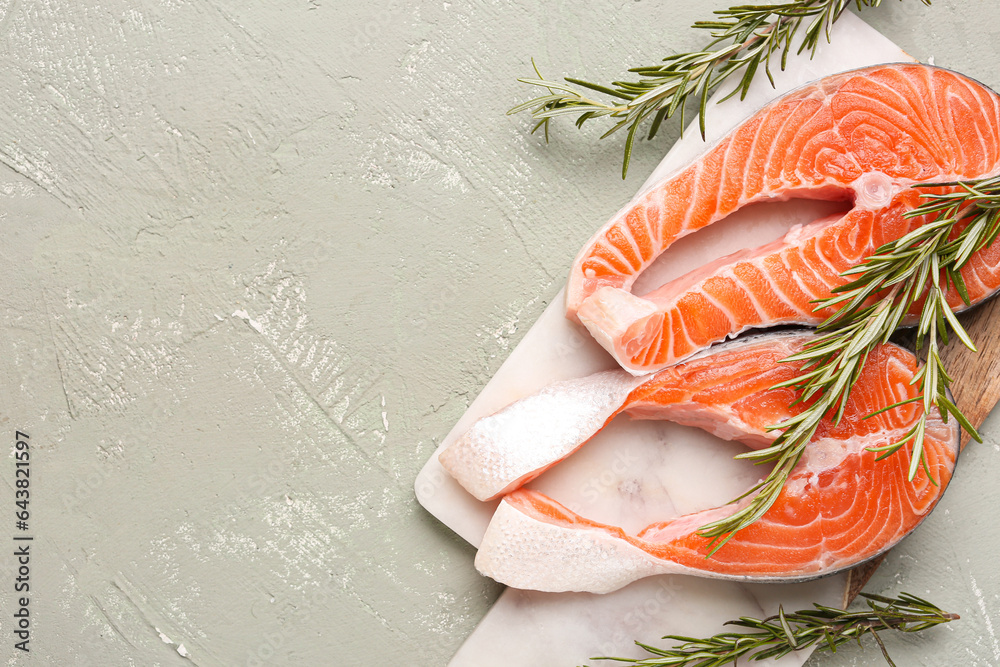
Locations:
column 824, row 628
column 743, row 39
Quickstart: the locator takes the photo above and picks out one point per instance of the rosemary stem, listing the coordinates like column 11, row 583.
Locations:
column 754, row 33
column 822, row 628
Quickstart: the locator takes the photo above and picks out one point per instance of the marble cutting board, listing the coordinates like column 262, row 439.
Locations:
column 634, row 473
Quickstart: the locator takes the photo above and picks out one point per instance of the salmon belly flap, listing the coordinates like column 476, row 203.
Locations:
column 866, row 136
column 838, row 508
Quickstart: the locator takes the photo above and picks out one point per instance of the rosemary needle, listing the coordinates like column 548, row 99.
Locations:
column 825, row 628
column 918, row 267
column 744, row 38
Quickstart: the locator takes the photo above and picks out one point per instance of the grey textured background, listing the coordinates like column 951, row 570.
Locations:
column 257, row 259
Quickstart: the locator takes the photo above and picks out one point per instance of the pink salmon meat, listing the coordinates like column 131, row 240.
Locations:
column 838, row 508
column 864, row 136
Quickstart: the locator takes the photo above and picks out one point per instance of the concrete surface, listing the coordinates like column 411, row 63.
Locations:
column 258, row 257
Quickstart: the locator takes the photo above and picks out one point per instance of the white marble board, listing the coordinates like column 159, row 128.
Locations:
column 634, row 473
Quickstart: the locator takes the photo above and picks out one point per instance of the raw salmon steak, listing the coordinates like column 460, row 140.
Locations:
column 865, row 136
column 838, row 508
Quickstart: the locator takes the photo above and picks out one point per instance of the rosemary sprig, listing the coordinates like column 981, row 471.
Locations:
column 826, row 628
column 912, row 273
column 743, row 38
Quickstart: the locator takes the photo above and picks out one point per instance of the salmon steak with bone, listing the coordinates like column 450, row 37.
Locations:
column 838, row 508
column 865, row 136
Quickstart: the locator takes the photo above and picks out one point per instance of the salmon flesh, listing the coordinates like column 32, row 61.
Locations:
column 838, row 508
column 865, row 136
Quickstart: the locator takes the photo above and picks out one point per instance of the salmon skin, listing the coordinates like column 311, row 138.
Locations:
column 864, row 136
column 838, row 508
